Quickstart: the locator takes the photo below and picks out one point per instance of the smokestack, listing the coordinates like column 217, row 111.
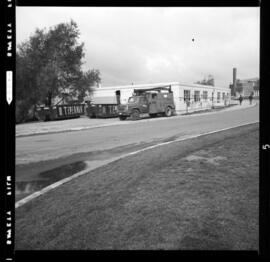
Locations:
column 234, row 77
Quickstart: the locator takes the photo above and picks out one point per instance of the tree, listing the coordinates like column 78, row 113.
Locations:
column 210, row 81
column 49, row 63
column 83, row 85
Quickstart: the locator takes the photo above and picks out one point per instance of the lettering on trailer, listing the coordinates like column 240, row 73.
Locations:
column 69, row 110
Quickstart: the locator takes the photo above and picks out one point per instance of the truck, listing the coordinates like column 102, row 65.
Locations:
column 148, row 102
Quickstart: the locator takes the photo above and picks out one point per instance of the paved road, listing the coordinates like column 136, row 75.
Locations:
column 43, row 159
column 84, row 122
column 56, row 153
column 52, row 146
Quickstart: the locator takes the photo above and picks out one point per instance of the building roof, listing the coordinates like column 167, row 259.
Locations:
column 153, row 85
column 104, row 100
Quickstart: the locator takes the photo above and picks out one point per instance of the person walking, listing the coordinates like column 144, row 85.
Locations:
column 240, row 99
column 250, row 98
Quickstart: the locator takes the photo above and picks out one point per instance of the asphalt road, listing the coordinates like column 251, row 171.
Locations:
column 39, row 153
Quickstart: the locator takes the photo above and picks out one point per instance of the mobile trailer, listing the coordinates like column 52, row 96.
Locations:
column 60, row 112
column 186, row 96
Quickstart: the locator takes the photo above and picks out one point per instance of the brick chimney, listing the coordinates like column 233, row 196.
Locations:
column 234, row 79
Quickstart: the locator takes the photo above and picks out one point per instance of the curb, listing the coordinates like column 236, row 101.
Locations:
column 65, row 180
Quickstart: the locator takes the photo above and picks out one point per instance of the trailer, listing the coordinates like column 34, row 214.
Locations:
column 60, row 112
column 102, row 107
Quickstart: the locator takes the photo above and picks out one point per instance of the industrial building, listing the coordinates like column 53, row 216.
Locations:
column 248, row 86
column 187, row 97
column 244, row 87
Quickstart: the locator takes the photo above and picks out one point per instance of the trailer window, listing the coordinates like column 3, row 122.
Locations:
column 186, row 95
column 196, row 96
column 218, row 96
column 205, row 93
column 223, row 96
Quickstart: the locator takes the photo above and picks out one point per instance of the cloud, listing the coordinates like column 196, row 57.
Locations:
column 142, row 45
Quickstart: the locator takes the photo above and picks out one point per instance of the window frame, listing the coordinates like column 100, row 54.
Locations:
column 205, row 97
column 218, row 96
column 187, row 97
column 197, row 96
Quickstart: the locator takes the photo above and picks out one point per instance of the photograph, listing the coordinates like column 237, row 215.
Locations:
column 137, row 128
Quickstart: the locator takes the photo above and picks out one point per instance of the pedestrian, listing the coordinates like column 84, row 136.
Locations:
column 240, row 99
column 250, row 98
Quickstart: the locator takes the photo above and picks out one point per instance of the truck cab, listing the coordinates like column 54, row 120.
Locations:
column 148, row 102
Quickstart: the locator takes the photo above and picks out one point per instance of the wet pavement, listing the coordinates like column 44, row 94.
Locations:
column 29, row 180
column 46, row 178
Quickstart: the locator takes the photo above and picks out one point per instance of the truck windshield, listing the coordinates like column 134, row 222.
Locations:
column 133, row 99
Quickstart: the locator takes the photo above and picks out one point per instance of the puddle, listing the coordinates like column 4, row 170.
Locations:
column 43, row 179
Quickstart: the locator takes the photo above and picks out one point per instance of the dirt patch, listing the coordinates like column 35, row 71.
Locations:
column 217, row 160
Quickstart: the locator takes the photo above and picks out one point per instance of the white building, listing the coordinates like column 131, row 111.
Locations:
column 248, row 86
column 189, row 97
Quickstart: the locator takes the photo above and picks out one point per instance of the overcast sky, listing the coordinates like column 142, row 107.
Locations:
column 149, row 45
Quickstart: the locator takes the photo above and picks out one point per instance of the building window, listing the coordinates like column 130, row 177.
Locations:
column 223, row 96
column 196, row 96
column 205, row 93
column 186, row 95
column 218, row 96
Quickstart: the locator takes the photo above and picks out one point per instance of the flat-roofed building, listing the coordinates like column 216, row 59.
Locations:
column 248, row 86
column 186, row 96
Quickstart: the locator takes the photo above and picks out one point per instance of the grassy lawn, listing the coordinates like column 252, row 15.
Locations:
column 196, row 194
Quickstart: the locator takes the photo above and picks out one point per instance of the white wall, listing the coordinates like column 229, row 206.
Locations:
column 178, row 93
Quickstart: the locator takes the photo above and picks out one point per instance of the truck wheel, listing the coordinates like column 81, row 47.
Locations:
column 168, row 111
column 135, row 114
column 122, row 118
